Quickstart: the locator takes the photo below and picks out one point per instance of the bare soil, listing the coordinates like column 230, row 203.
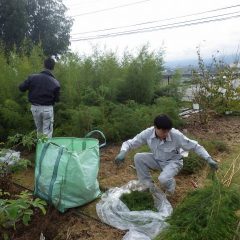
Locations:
column 74, row 225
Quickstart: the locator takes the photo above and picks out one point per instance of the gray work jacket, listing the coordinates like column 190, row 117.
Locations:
column 168, row 149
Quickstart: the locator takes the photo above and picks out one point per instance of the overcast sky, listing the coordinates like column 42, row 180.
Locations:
column 178, row 43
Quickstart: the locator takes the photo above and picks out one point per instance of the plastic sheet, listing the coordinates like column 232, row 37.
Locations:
column 142, row 225
column 9, row 156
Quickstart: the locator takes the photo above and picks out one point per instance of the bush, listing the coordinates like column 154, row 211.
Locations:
column 208, row 213
column 192, row 164
column 215, row 146
column 214, row 88
column 117, row 121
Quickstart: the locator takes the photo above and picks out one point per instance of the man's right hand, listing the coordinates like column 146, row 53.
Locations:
column 120, row 157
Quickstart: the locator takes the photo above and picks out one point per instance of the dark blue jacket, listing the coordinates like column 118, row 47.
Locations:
column 43, row 88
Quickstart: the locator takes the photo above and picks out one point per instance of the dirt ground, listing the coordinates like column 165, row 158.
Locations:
column 82, row 223
column 225, row 129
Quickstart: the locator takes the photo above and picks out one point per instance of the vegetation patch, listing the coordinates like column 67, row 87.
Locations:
column 193, row 163
column 209, row 213
column 139, row 201
column 20, row 209
column 8, row 167
column 215, row 146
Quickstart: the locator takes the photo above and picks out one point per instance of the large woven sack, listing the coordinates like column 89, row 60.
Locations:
column 66, row 170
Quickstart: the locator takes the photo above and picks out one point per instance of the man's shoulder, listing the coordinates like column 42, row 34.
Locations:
column 56, row 82
column 34, row 75
column 175, row 133
column 50, row 76
column 148, row 132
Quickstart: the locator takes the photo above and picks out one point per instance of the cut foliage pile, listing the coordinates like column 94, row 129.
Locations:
column 139, row 201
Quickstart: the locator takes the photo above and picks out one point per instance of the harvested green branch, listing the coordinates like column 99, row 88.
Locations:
column 139, row 201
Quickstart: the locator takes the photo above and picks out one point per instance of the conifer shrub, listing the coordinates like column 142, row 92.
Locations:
column 215, row 146
column 205, row 214
column 192, row 164
column 138, row 201
column 116, row 121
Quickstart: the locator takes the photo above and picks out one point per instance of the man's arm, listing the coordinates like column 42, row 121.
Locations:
column 137, row 141
column 25, row 85
column 188, row 144
column 57, row 94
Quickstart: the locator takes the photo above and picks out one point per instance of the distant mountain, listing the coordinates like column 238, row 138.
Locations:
column 193, row 62
column 181, row 63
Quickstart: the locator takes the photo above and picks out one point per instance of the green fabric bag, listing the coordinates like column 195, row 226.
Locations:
column 66, row 170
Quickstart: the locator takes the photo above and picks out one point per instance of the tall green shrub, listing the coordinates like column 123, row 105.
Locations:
column 143, row 74
column 214, row 88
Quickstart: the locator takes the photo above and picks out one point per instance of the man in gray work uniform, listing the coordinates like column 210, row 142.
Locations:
column 165, row 143
column 43, row 92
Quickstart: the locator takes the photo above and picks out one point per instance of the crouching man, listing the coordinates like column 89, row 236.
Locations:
column 165, row 143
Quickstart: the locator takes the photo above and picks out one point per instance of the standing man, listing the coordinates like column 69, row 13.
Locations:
column 165, row 143
column 43, row 92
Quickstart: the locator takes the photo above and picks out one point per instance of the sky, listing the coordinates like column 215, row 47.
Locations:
column 213, row 38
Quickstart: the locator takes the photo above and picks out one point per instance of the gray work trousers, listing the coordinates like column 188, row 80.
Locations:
column 145, row 161
column 43, row 117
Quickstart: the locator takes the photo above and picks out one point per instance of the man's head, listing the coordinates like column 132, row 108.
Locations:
column 49, row 63
column 162, row 124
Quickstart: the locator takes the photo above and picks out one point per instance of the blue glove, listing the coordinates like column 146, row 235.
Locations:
column 213, row 164
column 120, row 157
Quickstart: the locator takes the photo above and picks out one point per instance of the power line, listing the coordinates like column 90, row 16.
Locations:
column 108, row 9
column 160, row 20
column 157, row 28
column 166, row 25
column 82, row 3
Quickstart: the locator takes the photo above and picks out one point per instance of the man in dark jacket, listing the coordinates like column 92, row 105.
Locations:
column 43, row 92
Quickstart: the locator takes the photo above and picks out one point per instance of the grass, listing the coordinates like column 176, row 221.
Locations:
column 226, row 162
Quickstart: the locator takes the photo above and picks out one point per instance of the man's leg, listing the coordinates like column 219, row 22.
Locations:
column 143, row 163
column 166, row 178
column 38, row 118
column 48, row 119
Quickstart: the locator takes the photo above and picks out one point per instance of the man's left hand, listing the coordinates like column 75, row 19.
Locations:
column 213, row 164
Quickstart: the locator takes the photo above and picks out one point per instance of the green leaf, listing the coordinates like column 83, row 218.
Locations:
column 26, row 219
column 12, row 212
column 42, row 209
column 28, row 211
column 5, row 236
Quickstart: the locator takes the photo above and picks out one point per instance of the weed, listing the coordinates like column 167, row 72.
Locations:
column 17, row 210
